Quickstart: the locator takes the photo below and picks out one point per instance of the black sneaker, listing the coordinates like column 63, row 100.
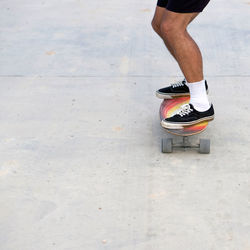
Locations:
column 177, row 89
column 186, row 116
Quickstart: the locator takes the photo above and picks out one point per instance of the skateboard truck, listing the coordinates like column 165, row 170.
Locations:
column 203, row 146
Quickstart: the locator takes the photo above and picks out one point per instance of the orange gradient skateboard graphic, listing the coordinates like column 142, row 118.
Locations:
column 168, row 108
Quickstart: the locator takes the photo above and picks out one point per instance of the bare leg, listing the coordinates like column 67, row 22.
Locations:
column 173, row 30
column 156, row 24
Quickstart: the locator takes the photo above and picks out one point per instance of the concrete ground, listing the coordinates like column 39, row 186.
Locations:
column 80, row 162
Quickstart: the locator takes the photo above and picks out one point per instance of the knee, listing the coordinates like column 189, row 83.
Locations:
column 169, row 30
column 156, row 26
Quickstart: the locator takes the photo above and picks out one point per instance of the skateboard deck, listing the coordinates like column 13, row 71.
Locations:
column 169, row 107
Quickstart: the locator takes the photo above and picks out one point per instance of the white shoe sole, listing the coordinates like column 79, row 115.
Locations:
column 172, row 125
column 165, row 96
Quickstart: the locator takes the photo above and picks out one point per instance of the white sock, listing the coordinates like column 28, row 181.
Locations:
column 198, row 95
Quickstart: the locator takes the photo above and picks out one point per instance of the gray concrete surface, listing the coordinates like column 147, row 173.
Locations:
column 80, row 161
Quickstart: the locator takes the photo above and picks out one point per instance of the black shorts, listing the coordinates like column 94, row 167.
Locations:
column 183, row 6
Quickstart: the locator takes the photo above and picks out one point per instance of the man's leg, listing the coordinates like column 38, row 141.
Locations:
column 173, row 30
column 156, row 24
column 187, row 54
column 157, row 19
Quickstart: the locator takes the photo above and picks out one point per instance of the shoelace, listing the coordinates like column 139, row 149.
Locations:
column 178, row 84
column 184, row 110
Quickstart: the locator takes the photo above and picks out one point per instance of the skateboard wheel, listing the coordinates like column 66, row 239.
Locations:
column 204, row 146
column 167, row 145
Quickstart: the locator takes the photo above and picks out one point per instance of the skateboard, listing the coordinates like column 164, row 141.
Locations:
column 167, row 109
